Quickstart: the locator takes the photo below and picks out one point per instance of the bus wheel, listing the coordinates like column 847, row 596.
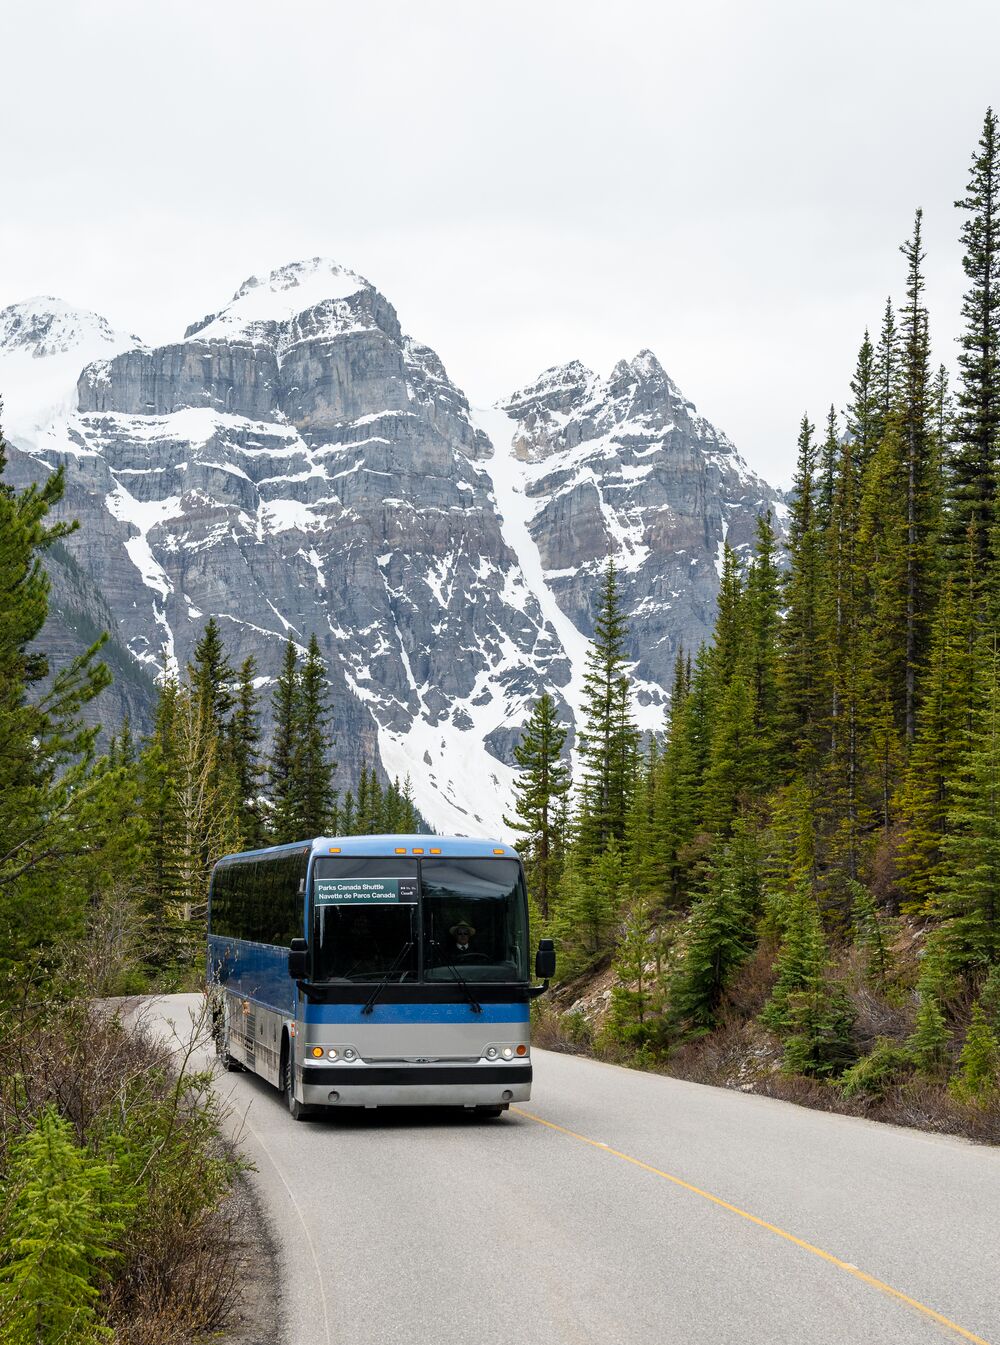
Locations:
column 221, row 1035
column 490, row 1111
column 296, row 1110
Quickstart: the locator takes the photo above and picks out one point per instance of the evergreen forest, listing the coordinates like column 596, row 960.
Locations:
column 796, row 886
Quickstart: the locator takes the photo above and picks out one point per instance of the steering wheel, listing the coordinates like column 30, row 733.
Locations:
column 473, row 957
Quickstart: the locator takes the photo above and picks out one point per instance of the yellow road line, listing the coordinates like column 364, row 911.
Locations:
column 846, row 1266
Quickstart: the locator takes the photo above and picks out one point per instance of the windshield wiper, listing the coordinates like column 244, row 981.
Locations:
column 474, row 1004
column 369, row 1006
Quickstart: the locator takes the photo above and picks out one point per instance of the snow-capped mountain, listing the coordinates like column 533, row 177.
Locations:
column 44, row 343
column 297, row 464
column 625, row 466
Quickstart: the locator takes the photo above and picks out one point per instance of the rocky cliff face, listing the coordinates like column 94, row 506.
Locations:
column 624, row 466
column 297, row 464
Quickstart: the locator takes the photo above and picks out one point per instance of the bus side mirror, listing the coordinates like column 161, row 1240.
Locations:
column 298, row 960
column 545, row 959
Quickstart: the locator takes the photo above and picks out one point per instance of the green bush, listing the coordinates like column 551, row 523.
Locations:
column 58, row 1237
column 886, row 1064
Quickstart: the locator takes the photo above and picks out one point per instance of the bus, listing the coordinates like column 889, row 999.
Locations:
column 376, row 971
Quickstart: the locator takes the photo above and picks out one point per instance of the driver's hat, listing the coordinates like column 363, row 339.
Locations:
column 462, row 925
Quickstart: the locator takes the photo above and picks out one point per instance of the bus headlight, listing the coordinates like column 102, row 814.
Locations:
column 491, row 1053
column 350, row 1053
column 508, row 1052
column 332, row 1052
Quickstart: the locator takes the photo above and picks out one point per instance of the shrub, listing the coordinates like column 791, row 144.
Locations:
column 979, row 1062
column 886, row 1065
column 58, row 1237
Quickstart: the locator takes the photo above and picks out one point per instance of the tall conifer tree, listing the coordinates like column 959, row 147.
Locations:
column 544, row 779
column 974, row 464
column 608, row 739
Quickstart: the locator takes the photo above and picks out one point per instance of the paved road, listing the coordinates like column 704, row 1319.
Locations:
column 622, row 1207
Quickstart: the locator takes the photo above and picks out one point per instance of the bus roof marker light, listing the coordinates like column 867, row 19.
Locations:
column 334, row 849
column 418, row 850
column 400, row 849
column 498, row 852
column 435, row 849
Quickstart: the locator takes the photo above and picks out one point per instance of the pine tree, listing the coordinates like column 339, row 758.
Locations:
column 921, row 471
column 978, row 1077
column 870, row 935
column 64, row 1216
column 348, row 815
column 409, row 820
column 607, row 739
column 761, row 605
column 243, row 742
column 675, row 789
column 802, row 692
column 733, row 766
column 818, row 1023
column 211, row 677
column 927, row 792
column 587, row 906
column 802, row 959
column 842, row 620
column 968, row 899
column 635, row 994
column 311, row 788
column 720, row 935
column 59, row 801
column 928, row 1042
column 885, row 374
column 283, row 821
column 864, row 417
column 200, row 819
column 974, row 464
column 543, row 781
column 829, row 454
column 362, row 805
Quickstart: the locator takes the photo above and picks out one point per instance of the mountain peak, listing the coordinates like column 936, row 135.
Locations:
column 44, row 326
column 278, row 297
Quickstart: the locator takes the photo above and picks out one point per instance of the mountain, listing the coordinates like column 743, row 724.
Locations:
column 625, row 466
column 297, row 464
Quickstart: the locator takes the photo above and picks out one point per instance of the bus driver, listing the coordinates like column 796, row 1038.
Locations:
column 462, row 934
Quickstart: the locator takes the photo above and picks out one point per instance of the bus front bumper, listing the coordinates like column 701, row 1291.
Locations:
column 415, row 1085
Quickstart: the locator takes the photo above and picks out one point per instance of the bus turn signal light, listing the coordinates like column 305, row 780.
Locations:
column 522, row 1050
column 317, row 1052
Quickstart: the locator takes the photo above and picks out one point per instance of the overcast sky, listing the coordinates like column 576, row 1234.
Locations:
column 528, row 182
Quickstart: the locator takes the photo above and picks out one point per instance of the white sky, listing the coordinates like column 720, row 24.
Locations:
column 528, row 182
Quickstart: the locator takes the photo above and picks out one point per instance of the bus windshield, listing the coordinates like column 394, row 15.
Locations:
column 365, row 919
column 475, row 920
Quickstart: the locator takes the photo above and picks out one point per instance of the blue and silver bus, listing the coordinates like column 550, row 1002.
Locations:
column 373, row 971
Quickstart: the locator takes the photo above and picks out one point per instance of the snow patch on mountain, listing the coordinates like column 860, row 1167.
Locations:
column 44, row 343
column 279, row 297
column 508, row 476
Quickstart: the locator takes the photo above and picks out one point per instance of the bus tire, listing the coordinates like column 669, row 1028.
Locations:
column 488, row 1113
column 297, row 1110
column 220, row 1031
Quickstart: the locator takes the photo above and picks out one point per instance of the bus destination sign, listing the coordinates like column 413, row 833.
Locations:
column 363, row 891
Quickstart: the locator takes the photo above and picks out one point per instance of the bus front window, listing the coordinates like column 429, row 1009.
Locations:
column 364, row 919
column 475, row 920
